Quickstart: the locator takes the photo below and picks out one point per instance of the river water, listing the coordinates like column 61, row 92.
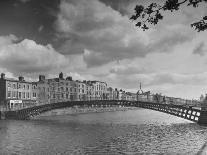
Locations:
column 121, row 132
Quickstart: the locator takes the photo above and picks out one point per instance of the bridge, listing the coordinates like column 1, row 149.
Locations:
column 187, row 112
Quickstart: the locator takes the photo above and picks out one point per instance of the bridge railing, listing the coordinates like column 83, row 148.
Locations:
column 151, row 98
column 156, row 98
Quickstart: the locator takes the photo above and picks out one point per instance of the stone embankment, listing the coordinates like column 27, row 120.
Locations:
column 81, row 110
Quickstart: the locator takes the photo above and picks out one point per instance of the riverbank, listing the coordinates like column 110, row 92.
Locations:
column 81, row 110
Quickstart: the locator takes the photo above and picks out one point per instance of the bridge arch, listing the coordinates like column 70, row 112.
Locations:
column 188, row 113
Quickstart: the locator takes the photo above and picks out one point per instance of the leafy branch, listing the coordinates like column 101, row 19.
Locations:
column 152, row 14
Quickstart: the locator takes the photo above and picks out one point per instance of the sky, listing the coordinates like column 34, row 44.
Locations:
column 95, row 40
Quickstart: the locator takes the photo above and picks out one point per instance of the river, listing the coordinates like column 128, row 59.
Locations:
column 121, row 132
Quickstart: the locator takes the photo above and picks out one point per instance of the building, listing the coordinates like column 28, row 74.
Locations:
column 82, row 90
column 100, row 90
column 115, row 94
column 110, row 93
column 16, row 93
column 43, row 90
column 131, row 96
column 90, row 93
column 72, row 88
column 62, row 90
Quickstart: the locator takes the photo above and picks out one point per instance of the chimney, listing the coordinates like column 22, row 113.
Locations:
column 69, row 78
column 2, row 76
column 61, row 75
column 21, row 78
column 41, row 78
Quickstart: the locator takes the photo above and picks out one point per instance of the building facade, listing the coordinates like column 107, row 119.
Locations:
column 16, row 94
column 100, row 90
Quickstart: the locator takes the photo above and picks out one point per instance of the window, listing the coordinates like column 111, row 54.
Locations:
column 71, row 89
column 67, row 96
column 28, row 87
column 28, row 96
column 66, row 89
column 9, row 84
column 20, row 95
column 53, row 95
column 34, row 94
column 62, row 95
column 9, row 94
column 23, row 94
column 24, row 87
column 14, row 86
column 13, row 94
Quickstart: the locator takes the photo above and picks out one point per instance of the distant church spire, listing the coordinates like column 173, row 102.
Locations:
column 140, row 86
column 140, row 91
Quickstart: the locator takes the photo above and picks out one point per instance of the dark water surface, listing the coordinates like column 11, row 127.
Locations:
column 121, row 132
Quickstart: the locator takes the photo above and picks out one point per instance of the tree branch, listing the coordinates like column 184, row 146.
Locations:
column 152, row 13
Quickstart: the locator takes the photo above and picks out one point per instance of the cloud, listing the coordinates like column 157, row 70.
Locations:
column 95, row 27
column 127, row 70
column 24, row 1
column 167, row 37
column 41, row 27
column 28, row 57
column 200, row 49
column 93, row 58
column 125, row 7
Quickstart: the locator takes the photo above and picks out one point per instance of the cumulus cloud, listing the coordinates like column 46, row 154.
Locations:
column 27, row 56
column 107, row 35
column 125, row 7
column 127, row 70
column 200, row 49
column 24, row 1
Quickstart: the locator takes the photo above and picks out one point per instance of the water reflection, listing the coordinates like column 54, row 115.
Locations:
column 123, row 132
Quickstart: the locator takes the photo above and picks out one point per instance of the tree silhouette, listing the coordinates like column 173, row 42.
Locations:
column 152, row 14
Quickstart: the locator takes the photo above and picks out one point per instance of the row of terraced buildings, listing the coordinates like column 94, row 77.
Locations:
column 18, row 93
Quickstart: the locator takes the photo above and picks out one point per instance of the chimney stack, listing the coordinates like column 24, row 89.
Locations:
column 21, row 78
column 69, row 78
column 61, row 75
column 2, row 76
column 41, row 78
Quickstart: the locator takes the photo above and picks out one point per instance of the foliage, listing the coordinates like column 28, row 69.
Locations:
column 152, row 14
